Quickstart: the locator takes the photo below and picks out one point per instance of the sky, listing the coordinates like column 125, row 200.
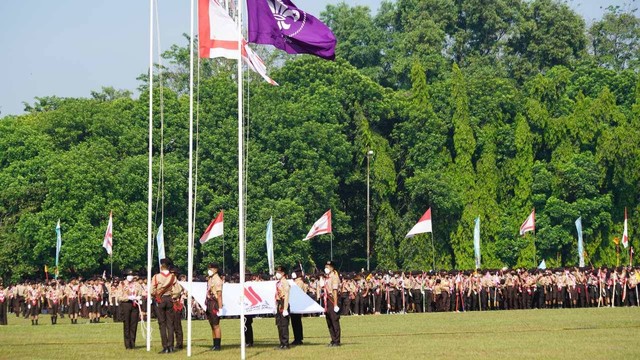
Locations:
column 68, row 48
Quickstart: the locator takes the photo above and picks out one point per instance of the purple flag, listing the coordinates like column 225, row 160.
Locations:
column 281, row 24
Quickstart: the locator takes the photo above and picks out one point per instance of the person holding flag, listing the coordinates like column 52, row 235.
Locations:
column 214, row 304
column 129, row 296
column 282, row 307
column 162, row 287
column 331, row 308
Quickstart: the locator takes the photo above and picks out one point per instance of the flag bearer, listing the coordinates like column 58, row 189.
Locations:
column 162, row 285
column 129, row 294
column 282, row 307
column 214, row 304
column 331, row 308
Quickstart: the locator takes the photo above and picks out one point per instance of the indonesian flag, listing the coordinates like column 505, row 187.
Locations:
column 322, row 226
column 215, row 229
column 218, row 37
column 529, row 224
column 625, row 233
column 423, row 225
column 107, row 243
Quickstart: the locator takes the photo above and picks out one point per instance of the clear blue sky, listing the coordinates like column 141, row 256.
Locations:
column 70, row 47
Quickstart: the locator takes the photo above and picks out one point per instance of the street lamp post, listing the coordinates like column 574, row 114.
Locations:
column 369, row 154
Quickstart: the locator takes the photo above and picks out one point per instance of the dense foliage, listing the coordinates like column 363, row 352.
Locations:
column 473, row 108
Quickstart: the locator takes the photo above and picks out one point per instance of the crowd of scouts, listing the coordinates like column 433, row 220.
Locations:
column 124, row 300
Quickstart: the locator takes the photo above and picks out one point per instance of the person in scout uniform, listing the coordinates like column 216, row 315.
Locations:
column 331, row 308
column 54, row 299
column 178, row 296
column 33, row 302
column 214, row 304
column 128, row 296
column 162, row 285
column 4, row 304
column 72, row 294
column 282, row 307
column 296, row 319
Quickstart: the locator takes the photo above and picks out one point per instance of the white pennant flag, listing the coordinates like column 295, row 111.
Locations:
column 107, row 243
column 270, row 259
column 529, row 224
column 625, row 232
column 321, row 226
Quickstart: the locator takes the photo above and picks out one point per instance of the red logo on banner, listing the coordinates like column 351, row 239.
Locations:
column 252, row 296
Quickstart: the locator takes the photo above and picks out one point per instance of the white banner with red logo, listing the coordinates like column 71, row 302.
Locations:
column 259, row 298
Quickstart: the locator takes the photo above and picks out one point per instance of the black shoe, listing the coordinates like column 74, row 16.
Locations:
column 249, row 345
column 164, row 351
column 297, row 343
column 215, row 348
column 178, row 347
column 330, row 344
column 171, row 349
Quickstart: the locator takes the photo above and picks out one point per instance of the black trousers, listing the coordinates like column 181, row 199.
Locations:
column 282, row 322
column 165, row 314
column 333, row 322
column 3, row 311
column 296, row 325
column 248, row 329
column 53, row 310
column 130, row 315
column 177, row 326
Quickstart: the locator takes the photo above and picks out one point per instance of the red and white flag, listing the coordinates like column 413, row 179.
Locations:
column 107, row 243
column 529, row 224
column 625, row 232
column 215, row 229
column 322, row 226
column 218, row 37
column 423, row 225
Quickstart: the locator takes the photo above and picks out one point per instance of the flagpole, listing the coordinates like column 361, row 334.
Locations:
column 331, row 246
column 150, row 184
column 433, row 249
column 190, row 187
column 241, row 182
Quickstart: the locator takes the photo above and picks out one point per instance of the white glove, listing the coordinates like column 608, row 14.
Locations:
column 91, row 303
column 29, row 306
column 285, row 313
column 138, row 297
column 86, row 304
column 131, row 297
column 336, row 309
column 116, row 303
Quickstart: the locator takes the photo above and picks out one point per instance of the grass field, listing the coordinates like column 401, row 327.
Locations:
column 533, row 334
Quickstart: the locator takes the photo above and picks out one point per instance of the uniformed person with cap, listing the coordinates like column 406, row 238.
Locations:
column 332, row 310
column 4, row 304
column 282, row 307
column 129, row 294
column 296, row 319
column 214, row 304
column 72, row 294
column 178, row 304
column 162, row 285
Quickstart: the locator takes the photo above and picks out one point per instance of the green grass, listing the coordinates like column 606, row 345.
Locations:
column 533, row 334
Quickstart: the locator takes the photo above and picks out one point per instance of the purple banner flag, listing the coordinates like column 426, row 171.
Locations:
column 281, row 24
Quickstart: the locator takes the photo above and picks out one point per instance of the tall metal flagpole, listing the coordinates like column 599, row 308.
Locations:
column 190, row 191
column 150, row 187
column 241, row 181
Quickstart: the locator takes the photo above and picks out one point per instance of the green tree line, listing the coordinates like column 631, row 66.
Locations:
column 474, row 108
